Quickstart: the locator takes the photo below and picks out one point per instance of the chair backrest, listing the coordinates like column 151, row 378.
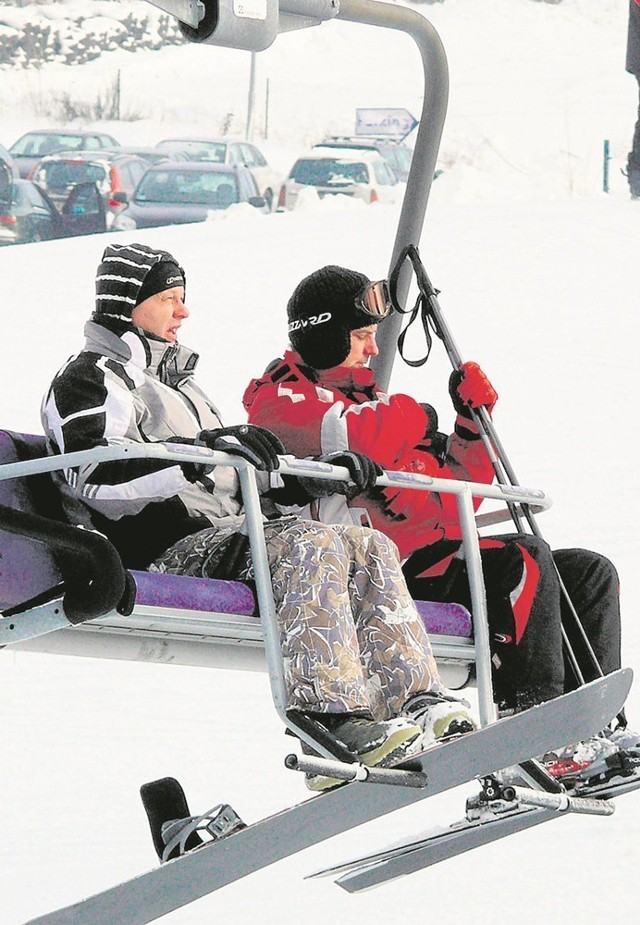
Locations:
column 27, row 567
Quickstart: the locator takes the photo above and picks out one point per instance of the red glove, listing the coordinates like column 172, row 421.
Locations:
column 469, row 388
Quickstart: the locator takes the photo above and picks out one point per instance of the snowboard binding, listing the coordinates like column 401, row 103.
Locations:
column 173, row 829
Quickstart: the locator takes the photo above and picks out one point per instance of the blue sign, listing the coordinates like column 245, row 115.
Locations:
column 396, row 122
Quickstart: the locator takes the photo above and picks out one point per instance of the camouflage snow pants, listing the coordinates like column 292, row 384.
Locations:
column 351, row 637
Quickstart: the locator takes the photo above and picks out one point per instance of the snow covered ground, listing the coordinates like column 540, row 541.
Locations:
column 538, row 274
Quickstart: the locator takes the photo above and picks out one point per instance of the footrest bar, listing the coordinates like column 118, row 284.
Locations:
column 356, row 771
column 563, row 803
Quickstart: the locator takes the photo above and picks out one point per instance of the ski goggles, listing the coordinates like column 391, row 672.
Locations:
column 374, row 300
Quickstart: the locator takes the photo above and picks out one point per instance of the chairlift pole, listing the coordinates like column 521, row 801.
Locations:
column 248, row 134
column 429, row 133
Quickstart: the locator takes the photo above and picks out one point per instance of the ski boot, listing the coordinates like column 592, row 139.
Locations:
column 592, row 763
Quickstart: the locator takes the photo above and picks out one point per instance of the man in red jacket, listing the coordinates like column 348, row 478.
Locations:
column 321, row 397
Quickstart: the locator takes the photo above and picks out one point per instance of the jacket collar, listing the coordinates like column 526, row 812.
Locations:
column 342, row 378
column 171, row 363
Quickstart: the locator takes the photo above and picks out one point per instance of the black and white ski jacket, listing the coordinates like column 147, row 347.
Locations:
column 130, row 388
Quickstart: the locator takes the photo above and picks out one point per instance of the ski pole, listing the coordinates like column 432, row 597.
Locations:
column 503, row 469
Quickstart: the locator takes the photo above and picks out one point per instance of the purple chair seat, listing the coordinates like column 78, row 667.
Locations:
column 185, row 593
column 234, row 597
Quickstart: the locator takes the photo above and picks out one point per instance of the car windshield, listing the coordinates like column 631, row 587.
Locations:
column 212, row 151
column 329, row 172
column 39, row 145
column 59, row 175
column 216, row 190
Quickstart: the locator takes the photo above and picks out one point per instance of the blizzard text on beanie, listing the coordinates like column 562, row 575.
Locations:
column 131, row 273
column 322, row 313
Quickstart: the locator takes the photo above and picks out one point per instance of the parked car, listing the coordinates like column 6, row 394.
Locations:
column 362, row 174
column 175, row 193
column 396, row 153
column 6, row 159
column 230, row 151
column 151, row 154
column 33, row 146
column 6, row 180
column 29, row 215
column 111, row 171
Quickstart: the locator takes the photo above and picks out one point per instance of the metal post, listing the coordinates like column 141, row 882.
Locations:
column 434, row 109
column 486, row 707
column 605, row 167
column 248, row 134
column 264, row 592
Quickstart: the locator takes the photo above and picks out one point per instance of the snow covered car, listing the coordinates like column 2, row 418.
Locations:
column 396, row 153
column 236, row 152
column 33, row 146
column 27, row 214
column 111, row 171
column 173, row 194
column 360, row 174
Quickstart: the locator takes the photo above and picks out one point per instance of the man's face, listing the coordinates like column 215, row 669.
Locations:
column 363, row 347
column 162, row 314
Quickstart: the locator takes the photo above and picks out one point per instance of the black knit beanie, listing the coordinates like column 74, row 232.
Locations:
column 130, row 273
column 322, row 313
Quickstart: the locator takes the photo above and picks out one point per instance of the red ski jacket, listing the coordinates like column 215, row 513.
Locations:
column 317, row 412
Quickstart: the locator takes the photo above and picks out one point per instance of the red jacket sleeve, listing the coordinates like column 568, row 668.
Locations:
column 311, row 420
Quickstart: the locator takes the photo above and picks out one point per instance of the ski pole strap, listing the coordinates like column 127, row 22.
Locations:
column 422, row 304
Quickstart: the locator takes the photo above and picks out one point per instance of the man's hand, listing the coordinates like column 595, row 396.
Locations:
column 469, row 388
column 363, row 471
column 255, row 444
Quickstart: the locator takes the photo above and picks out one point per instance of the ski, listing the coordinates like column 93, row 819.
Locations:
column 197, row 873
column 485, row 822
column 364, row 873
column 431, row 847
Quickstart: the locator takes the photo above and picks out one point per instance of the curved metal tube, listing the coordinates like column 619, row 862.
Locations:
column 434, row 110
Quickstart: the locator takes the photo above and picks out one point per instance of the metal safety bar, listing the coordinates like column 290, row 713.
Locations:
column 289, row 465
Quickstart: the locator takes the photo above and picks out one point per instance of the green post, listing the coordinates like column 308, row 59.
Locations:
column 605, row 167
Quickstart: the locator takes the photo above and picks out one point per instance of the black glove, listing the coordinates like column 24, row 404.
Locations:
column 193, row 472
column 363, row 471
column 255, row 444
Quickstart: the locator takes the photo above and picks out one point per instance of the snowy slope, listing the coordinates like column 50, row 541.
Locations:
column 538, row 276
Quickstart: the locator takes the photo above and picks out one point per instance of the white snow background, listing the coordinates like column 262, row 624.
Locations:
column 539, row 276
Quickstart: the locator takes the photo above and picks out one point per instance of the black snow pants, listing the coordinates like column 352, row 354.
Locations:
column 528, row 611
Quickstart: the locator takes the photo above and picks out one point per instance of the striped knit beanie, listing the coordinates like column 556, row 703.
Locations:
column 129, row 274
